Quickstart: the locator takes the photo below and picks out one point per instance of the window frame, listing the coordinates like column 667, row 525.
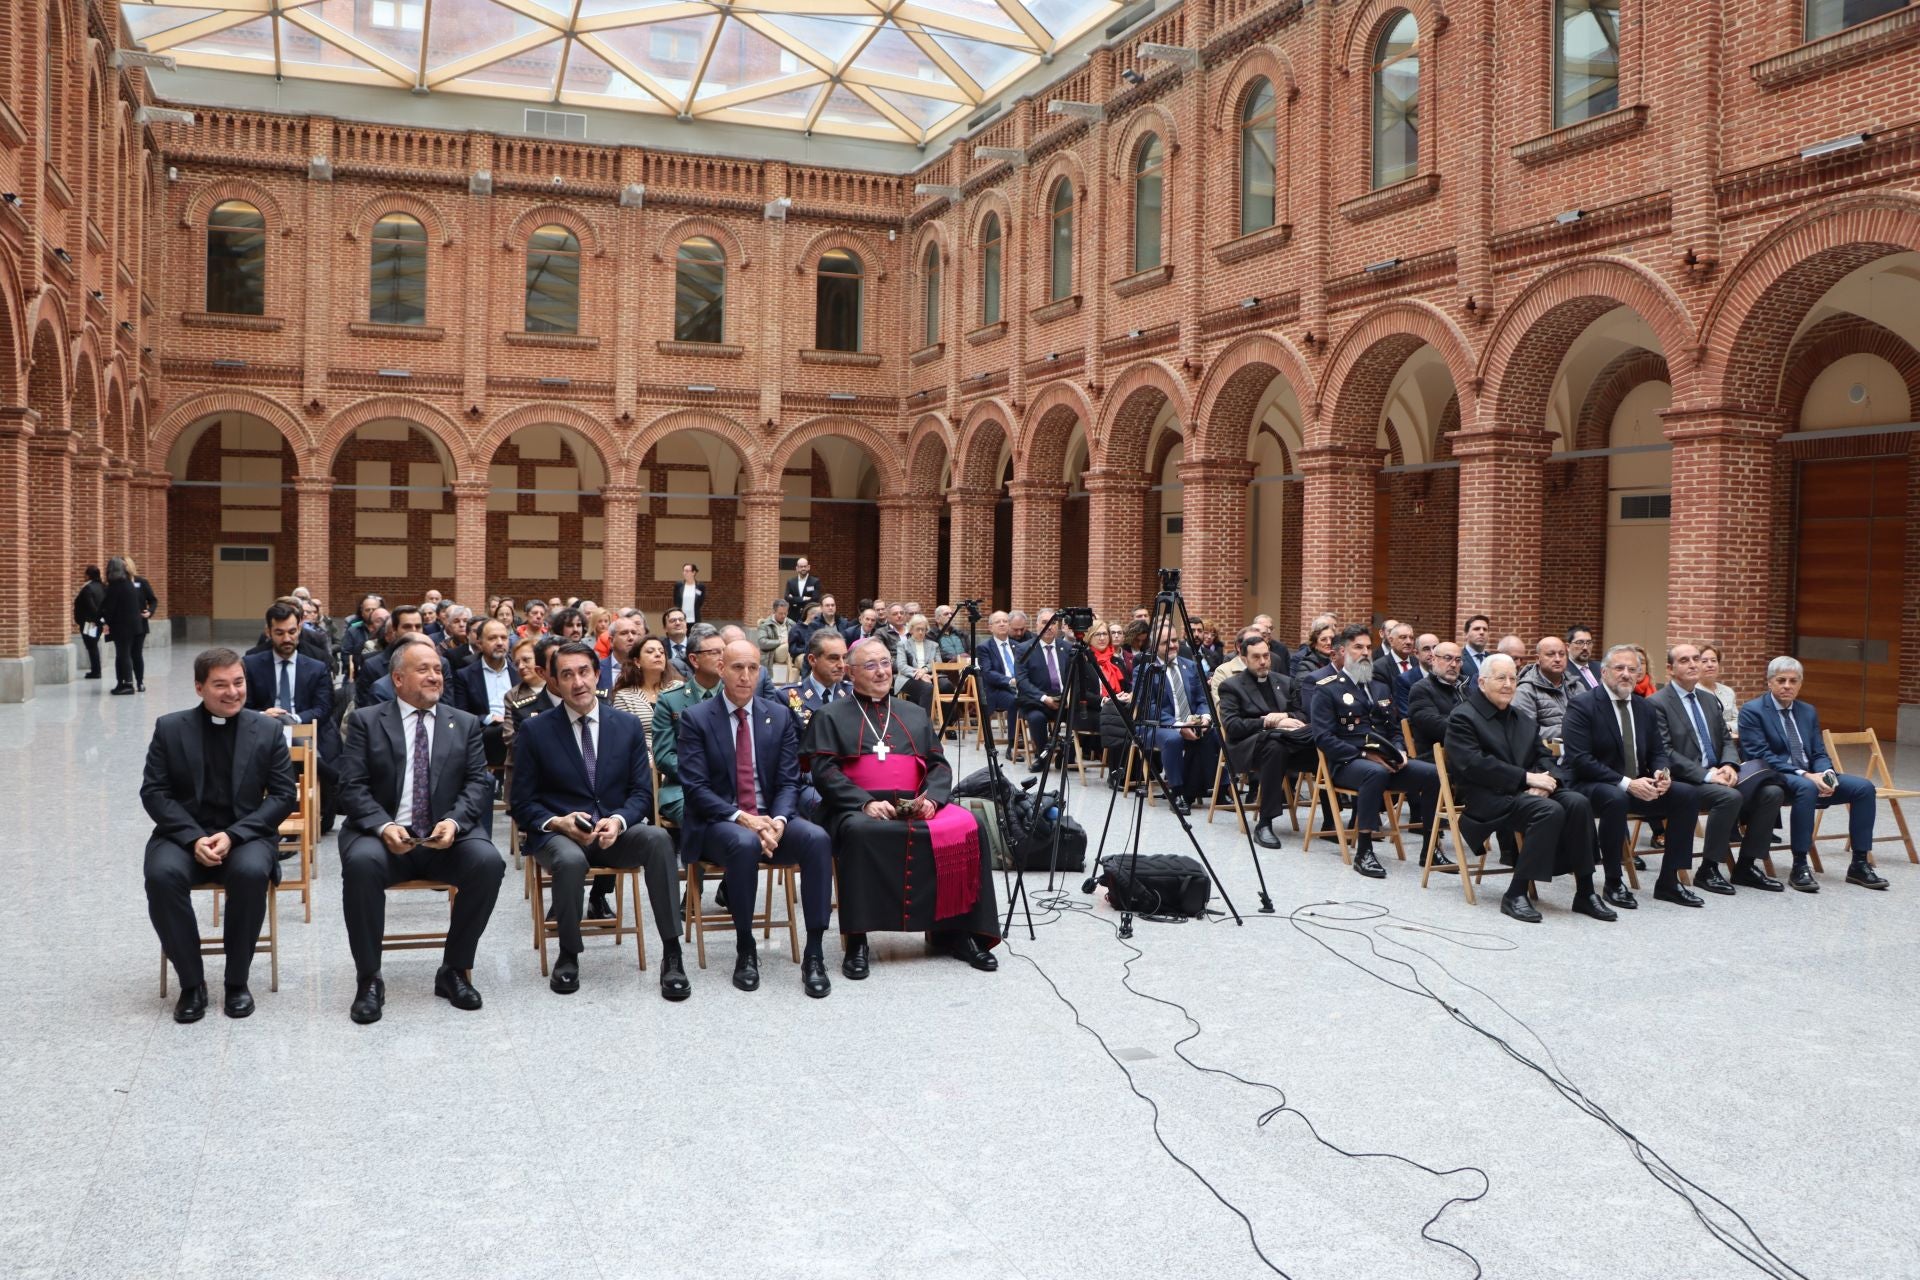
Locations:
column 1251, row 123
column 1144, row 173
column 375, row 240
column 1808, row 35
column 233, row 232
column 527, row 316
column 1060, row 241
column 822, row 301
column 930, row 294
column 1378, row 65
column 682, row 263
column 992, row 267
column 1558, row 16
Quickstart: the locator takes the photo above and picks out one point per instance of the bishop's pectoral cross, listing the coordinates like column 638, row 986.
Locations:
column 880, row 750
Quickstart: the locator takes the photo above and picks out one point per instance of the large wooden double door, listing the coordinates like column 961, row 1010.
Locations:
column 1849, row 583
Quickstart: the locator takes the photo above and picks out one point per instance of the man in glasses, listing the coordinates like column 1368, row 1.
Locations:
column 704, row 647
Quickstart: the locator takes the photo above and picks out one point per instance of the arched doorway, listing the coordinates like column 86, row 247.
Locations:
column 546, row 526
column 233, row 517
column 1416, row 493
column 690, row 482
column 831, row 515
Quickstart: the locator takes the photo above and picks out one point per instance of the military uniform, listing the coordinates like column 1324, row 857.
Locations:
column 803, row 699
column 672, row 704
column 1350, row 719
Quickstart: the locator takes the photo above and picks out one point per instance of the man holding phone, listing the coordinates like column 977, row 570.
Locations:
column 418, row 803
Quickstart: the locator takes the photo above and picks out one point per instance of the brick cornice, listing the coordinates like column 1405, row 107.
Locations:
column 1342, row 459
column 1116, row 483
column 471, row 489
column 1037, row 490
column 1575, row 138
column 18, row 421
column 1222, row 471
column 308, row 484
column 1855, row 44
column 1497, row 443
column 1723, row 422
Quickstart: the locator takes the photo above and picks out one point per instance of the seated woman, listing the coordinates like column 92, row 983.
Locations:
column 913, row 665
column 646, row 676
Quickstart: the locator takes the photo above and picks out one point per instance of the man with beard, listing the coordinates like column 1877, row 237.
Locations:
column 1354, row 725
column 1432, row 700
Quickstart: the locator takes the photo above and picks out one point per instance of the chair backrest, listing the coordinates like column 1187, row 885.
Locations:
column 1444, row 802
column 1876, row 771
column 1406, row 736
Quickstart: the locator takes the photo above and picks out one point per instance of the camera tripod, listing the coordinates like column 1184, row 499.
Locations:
column 1016, row 885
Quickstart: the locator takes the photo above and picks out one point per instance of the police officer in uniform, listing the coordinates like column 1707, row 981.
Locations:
column 1354, row 724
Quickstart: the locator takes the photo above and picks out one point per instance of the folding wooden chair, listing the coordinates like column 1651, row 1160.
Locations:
column 1446, row 818
column 1880, row 776
column 301, row 830
column 1323, row 788
column 539, row 881
column 420, row 940
column 1126, row 777
column 1233, row 795
column 216, row 945
column 699, row 919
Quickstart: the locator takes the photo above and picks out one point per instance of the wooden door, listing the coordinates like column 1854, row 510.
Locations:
column 1849, row 575
column 242, row 581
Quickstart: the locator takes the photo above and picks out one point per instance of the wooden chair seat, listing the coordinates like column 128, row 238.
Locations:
column 1323, row 788
column 539, row 882
column 215, row 945
column 699, row 919
column 1880, row 776
column 420, row 940
column 1447, row 817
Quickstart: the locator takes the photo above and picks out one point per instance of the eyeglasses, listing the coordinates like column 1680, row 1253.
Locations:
column 879, row 665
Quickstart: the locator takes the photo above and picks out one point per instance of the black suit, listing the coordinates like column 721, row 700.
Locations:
column 379, row 664
column 800, row 596
column 1038, row 681
column 373, row 768
column 312, row 695
column 313, row 644
column 1430, row 704
column 1595, row 754
column 1490, row 752
column 1244, row 705
column 1386, row 670
column 261, row 793
column 1759, row 804
column 699, row 611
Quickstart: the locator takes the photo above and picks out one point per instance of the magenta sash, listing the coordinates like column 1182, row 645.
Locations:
column 954, row 834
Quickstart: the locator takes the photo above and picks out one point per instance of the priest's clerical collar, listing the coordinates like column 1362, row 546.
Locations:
column 211, row 718
column 878, row 704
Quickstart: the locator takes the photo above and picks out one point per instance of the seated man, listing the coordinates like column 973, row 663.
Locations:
column 1043, row 673
column 418, row 802
column 999, row 670
column 825, row 681
column 1266, row 728
column 1353, row 723
column 1617, row 756
column 218, row 784
column 703, row 659
column 740, row 767
column 1431, row 701
column 908, row 859
column 1508, row 783
column 289, row 688
column 486, row 683
column 1170, row 717
column 583, row 793
column 1545, row 688
column 1780, row 730
column 1702, row 755
column 622, row 635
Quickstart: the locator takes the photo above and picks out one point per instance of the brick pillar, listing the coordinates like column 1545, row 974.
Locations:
column 50, row 533
column 1116, row 524
column 470, row 541
column 1336, row 554
column 150, row 534
column 16, row 435
column 761, row 508
column 89, row 506
column 970, row 543
column 919, row 524
column 1502, row 493
column 620, row 563
column 1723, row 583
column 1213, row 539
column 313, row 517
column 896, row 552
column 1036, row 543
column 118, row 521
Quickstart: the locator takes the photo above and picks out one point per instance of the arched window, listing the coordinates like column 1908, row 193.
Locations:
column 1586, row 59
column 930, row 276
column 1060, row 238
column 1396, row 102
column 1149, row 198
column 836, row 312
column 700, row 291
column 399, row 280
column 553, row 281
column 1824, row 17
column 990, row 250
column 1257, row 166
column 236, row 260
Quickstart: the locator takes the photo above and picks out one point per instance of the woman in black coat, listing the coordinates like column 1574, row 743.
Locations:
column 86, row 616
column 125, row 612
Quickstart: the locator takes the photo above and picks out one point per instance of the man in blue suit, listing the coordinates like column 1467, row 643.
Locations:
column 999, row 665
column 740, row 770
column 1170, row 713
column 289, row 686
column 1780, row 730
column 1621, row 775
column 583, row 796
column 622, row 636
column 1043, row 675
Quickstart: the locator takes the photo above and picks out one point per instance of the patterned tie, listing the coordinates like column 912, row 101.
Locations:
column 422, row 785
column 1700, row 727
column 743, row 763
column 586, row 749
column 286, row 685
column 1626, row 738
column 1053, row 666
column 1180, row 710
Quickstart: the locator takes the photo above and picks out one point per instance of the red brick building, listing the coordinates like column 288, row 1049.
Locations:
column 1562, row 311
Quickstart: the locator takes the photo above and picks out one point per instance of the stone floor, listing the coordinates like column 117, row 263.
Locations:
column 936, row 1122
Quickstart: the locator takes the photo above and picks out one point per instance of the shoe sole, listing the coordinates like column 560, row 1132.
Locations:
column 1804, row 888
column 365, row 1022
column 244, row 1013
column 1865, row 885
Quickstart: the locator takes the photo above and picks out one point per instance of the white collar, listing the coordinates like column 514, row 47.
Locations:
column 732, row 708
column 592, row 715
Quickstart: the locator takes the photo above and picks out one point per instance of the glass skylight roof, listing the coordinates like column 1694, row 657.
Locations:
column 890, row 70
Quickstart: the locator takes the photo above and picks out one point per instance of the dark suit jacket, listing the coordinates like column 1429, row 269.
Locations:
column 374, row 763
column 699, row 601
column 264, row 789
column 1162, row 699
column 994, row 674
column 1386, row 669
column 313, row 644
column 378, row 664
column 1763, row 738
column 469, row 689
column 459, row 656
column 798, row 597
column 550, row 776
column 1590, row 739
column 1489, row 755
column 1683, row 741
column 312, row 694
column 1429, row 705
column 706, row 756
column 1035, row 681
column 1242, row 709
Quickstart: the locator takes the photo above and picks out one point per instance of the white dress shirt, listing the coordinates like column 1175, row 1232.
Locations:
column 499, row 685
column 410, row 723
column 689, row 591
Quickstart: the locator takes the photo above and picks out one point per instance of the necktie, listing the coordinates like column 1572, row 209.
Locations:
column 1180, row 711
column 1793, row 735
column 422, row 785
column 1006, row 656
column 586, row 749
column 1625, row 712
column 1053, row 666
column 743, row 763
column 1700, row 727
column 286, row 685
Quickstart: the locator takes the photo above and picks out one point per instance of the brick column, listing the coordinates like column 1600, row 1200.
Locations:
column 1036, row 543
column 16, row 671
column 1723, row 580
column 470, row 541
column 919, row 530
column 897, row 552
column 313, row 553
column 89, row 506
column 761, row 509
column 50, row 530
column 150, row 535
column 1336, row 555
column 620, row 561
column 1499, row 565
column 1116, row 523
column 1213, row 539
column 970, row 543
column 118, row 522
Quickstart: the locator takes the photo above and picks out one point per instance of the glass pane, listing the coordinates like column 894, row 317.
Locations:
column 588, row 72
column 235, row 213
column 1824, row 17
column 1061, row 282
column 393, row 27
column 144, row 21
column 248, row 40
column 925, row 113
column 1146, row 221
column 398, row 286
column 668, row 52
column 399, row 226
column 1257, row 173
column 793, row 105
column 1586, row 60
column 1065, row 19
column 1396, row 104
column 237, row 265
column 553, row 239
column 836, row 325
column 832, row 37
column 843, row 107
column 985, row 61
column 931, row 272
column 700, row 292
column 553, row 281
column 990, row 272
column 744, row 57
column 890, row 51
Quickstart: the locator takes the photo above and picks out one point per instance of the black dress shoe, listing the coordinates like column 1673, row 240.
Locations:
column 192, row 1004
column 1748, row 875
column 1263, row 835
column 1678, row 894
column 966, row 947
column 1519, row 908
column 93, row 675
column 813, row 975
column 1369, row 866
column 858, row 962
column 553, row 914
column 720, row 895
column 598, row 908
column 452, row 986
column 1587, row 905
column 1441, row 862
column 140, row 686
column 1710, row 878
column 1639, row 863
column 239, row 1002
column 1802, row 878
column 1621, row 896
column 1181, row 806
column 368, row 999
column 746, row 971
column 566, row 974
column 673, row 977
column 119, row 689
column 1863, row 874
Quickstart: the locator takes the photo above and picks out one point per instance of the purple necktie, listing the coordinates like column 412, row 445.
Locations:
column 586, row 750
column 1053, row 666
column 422, row 786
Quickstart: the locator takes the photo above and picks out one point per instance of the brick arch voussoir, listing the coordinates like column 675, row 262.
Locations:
column 1150, row 118
column 753, row 462
column 1261, row 61
column 988, row 430
column 1364, row 28
column 929, row 452
column 589, row 428
column 991, row 201
column 1040, row 453
column 340, row 428
column 201, row 204
column 667, row 247
column 1836, row 338
column 873, row 260
column 14, row 340
column 882, row 448
column 1236, row 382
column 1062, row 164
column 177, row 420
column 1615, row 381
column 563, row 215
column 377, row 206
column 1129, row 409
column 1367, row 358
